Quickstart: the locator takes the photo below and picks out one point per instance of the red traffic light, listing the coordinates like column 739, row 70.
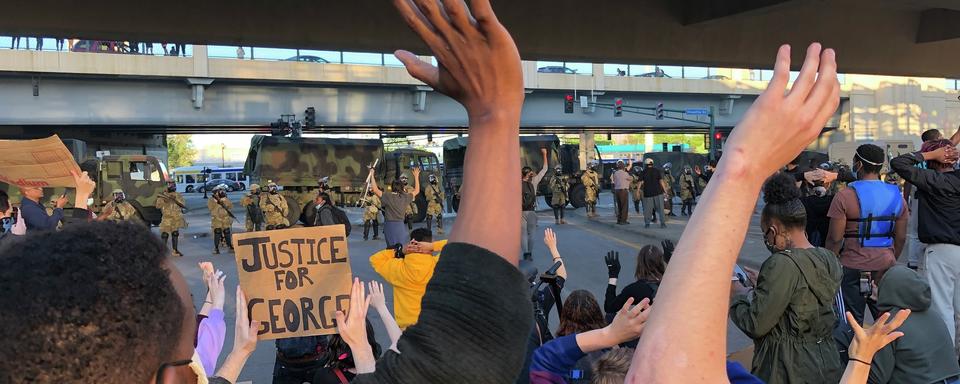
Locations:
column 718, row 136
column 618, row 102
column 569, row 97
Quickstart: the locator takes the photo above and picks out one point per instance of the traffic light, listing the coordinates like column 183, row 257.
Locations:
column 617, row 107
column 718, row 136
column 310, row 117
column 659, row 111
column 568, row 104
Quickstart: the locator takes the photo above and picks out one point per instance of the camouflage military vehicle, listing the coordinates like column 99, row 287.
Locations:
column 454, row 151
column 140, row 177
column 297, row 164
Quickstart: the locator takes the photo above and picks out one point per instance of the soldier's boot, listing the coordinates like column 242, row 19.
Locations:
column 228, row 238
column 366, row 230
column 175, row 241
column 217, row 238
column 376, row 229
column 163, row 237
column 428, row 222
column 440, row 224
column 562, row 221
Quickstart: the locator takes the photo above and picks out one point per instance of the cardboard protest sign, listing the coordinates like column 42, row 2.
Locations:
column 295, row 279
column 37, row 163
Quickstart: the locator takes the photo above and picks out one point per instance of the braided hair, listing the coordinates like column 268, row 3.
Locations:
column 782, row 198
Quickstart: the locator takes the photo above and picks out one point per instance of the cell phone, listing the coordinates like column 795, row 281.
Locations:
column 866, row 289
column 739, row 275
column 576, row 374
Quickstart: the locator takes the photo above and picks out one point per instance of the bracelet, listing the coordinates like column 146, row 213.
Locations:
column 859, row 361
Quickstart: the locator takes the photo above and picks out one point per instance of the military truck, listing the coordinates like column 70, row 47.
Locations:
column 141, row 178
column 567, row 155
column 297, row 165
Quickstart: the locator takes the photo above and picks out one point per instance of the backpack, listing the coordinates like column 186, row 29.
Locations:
column 339, row 217
column 297, row 347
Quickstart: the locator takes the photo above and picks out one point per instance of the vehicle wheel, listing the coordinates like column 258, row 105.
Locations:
column 294, row 210
column 229, row 189
column 202, row 190
column 578, row 196
column 309, row 214
column 243, row 187
column 421, row 214
column 189, row 189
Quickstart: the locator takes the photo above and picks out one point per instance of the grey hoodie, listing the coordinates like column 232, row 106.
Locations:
column 925, row 353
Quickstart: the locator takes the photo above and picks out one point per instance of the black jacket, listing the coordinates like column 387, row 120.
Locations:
column 938, row 199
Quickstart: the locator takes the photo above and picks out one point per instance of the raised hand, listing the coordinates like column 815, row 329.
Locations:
column 245, row 333
column 866, row 342
column 479, row 64
column 377, row 298
column 629, row 321
column 795, row 118
column 352, row 327
column 668, row 248
column 613, row 264
column 215, row 289
column 550, row 238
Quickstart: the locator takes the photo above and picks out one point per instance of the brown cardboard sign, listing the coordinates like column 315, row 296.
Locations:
column 294, row 279
column 37, row 163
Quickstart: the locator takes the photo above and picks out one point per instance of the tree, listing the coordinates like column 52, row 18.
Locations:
column 180, row 150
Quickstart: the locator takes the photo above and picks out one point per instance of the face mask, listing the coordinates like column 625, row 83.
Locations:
column 687, row 171
column 118, row 199
column 171, row 189
column 770, row 247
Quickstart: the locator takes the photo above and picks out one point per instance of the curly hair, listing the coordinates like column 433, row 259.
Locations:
column 581, row 313
column 782, row 198
column 89, row 304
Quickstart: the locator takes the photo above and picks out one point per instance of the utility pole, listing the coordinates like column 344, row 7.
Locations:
column 222, row 157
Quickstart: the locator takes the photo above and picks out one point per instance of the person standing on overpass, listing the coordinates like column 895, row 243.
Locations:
column 528, row 218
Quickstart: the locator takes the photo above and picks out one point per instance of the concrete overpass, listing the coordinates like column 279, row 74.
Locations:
column 917, row 37
column 42, row 92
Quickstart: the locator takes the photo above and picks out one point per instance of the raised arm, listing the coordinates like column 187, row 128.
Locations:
column 379, row 302
column 416, row 182
column 685, row 339
column 373, row 183
column 550, row 240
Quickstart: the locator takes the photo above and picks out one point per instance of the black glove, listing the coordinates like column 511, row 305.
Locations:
column 398, row 251
column 613, row 264
column 668, row 248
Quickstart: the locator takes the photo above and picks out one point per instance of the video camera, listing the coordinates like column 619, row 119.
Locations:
column 545, row 293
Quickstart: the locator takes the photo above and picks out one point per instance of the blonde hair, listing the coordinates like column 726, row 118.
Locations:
column 612, row 367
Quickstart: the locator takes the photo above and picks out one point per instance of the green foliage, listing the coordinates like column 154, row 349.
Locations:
column 180, row 151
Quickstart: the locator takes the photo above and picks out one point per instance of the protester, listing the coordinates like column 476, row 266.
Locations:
column 938, row 195
column 653, row 187
column 211, row 328
column 35, row 215
column 528, row 217
column 553, row 361
column 868, row 219
column 119, row 283
column 817, row 205
column 7, row 218
column 621, row 182
column 790, row 315
column 324, row 209
column 409, row 270
column 394, row 205
column 612, row 366
column 867, row 342
column 925, row 353
column 581, row 313
column 546, row 294
column 650, row 269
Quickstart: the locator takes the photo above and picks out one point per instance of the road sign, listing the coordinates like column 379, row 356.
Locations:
column 697, row 111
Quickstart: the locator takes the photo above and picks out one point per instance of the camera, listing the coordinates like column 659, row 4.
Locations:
column 545, row 294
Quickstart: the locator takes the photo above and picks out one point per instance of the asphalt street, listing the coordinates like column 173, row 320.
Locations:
column 583, row 244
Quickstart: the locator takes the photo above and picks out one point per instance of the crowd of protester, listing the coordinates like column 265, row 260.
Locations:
column 102, row 302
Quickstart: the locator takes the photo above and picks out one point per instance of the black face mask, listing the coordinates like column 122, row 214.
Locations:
column 171, row 189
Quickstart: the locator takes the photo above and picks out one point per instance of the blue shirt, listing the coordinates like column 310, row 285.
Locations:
column 36, row 218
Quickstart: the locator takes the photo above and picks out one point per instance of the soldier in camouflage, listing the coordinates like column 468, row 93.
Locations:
column 371, row 214
column 412, row 208
column 275, row 208
column 635, row 193
column 669, row 180
column 221, row 218
column 119, row 209
column 690, row 187
column 591, row 181
column 325, row 187
column 559, row 185
column 251, row 202
column 171, row 205
column 435, row 197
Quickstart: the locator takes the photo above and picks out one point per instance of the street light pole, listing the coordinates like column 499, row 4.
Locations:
column 222, row 158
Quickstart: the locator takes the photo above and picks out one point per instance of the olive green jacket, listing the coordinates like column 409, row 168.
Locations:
column 791, row 317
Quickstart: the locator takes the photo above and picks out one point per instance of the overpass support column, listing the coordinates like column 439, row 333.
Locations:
column 588, row 149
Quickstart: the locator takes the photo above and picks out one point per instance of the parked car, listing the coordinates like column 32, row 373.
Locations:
column 231, row 185
column 103, row 46
column 307, row 59
column 556, row 69
column 717, row 77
